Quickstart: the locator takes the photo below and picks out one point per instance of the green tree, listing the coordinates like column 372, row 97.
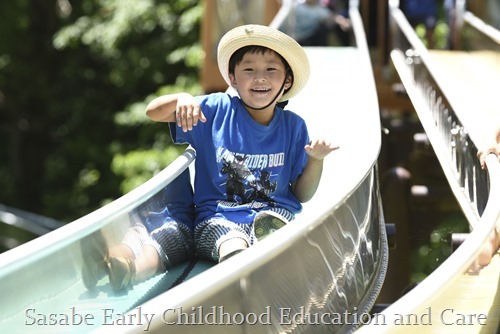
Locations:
column 75, row 77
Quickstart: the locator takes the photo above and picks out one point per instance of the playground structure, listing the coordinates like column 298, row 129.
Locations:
column 332, row 260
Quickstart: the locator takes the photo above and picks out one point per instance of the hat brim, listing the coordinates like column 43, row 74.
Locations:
column 273, row 39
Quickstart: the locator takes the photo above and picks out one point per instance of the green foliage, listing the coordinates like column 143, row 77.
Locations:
column 440, row 34
column 75, row 78
column 139, row 166
column 430, row 255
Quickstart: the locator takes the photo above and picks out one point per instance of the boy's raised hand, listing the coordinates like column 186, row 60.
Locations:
column 320, row 148
column 188, row 112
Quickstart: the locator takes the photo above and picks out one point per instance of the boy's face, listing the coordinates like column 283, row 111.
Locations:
column 259, row 77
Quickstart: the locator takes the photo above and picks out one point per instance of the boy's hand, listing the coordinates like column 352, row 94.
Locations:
column 188, row 112
column 320, row 148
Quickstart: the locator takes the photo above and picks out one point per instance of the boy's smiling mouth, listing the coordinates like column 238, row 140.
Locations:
column 260, row 90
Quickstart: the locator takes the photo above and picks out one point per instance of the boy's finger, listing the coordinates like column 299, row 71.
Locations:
column 178, row 116
column 189, row 117
column 183, row 117
column 196, row 115
column 202, row 117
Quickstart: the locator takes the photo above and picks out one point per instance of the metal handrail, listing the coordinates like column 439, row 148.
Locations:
column 283, row 12
column 28, row 221
column 483, row 28
column 457, row 150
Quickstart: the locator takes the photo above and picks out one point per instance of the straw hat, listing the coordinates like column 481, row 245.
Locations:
column 271, row 38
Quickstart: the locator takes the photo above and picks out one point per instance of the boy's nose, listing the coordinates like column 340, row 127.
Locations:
column 260, row 76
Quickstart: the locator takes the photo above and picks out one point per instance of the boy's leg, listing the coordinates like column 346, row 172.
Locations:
column 215, row 238
column 174, row 243
column 121, row 264
column 97, row 255
column 231, row 247
column 122, row 249
column 124, row 271
column 147, row 264
column 166, row 246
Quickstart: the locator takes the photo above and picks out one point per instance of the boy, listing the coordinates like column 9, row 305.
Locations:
column 255, row 163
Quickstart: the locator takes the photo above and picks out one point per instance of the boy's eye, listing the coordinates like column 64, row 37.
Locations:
column 248, row 69
column 271, row 69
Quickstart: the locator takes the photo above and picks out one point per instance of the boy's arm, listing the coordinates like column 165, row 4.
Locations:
column 307, row 183
column 162, row 109
column 181, row 108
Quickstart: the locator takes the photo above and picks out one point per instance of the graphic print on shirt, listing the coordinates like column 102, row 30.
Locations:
column 249, row 177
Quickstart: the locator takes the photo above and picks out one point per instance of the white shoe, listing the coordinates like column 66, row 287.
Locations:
column 267, row 222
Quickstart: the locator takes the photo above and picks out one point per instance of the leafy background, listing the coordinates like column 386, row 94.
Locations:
column 75, row 78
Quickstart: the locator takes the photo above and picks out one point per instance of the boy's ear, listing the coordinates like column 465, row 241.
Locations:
column 232, row 78
column 288, row 82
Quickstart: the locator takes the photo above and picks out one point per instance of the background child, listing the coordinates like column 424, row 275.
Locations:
column 491, row 145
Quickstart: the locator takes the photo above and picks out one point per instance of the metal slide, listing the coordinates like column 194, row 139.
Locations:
column 33, row 224
column 317, row 274
column 454, row 109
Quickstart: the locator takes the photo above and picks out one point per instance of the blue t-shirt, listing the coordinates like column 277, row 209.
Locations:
column 242, row 166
